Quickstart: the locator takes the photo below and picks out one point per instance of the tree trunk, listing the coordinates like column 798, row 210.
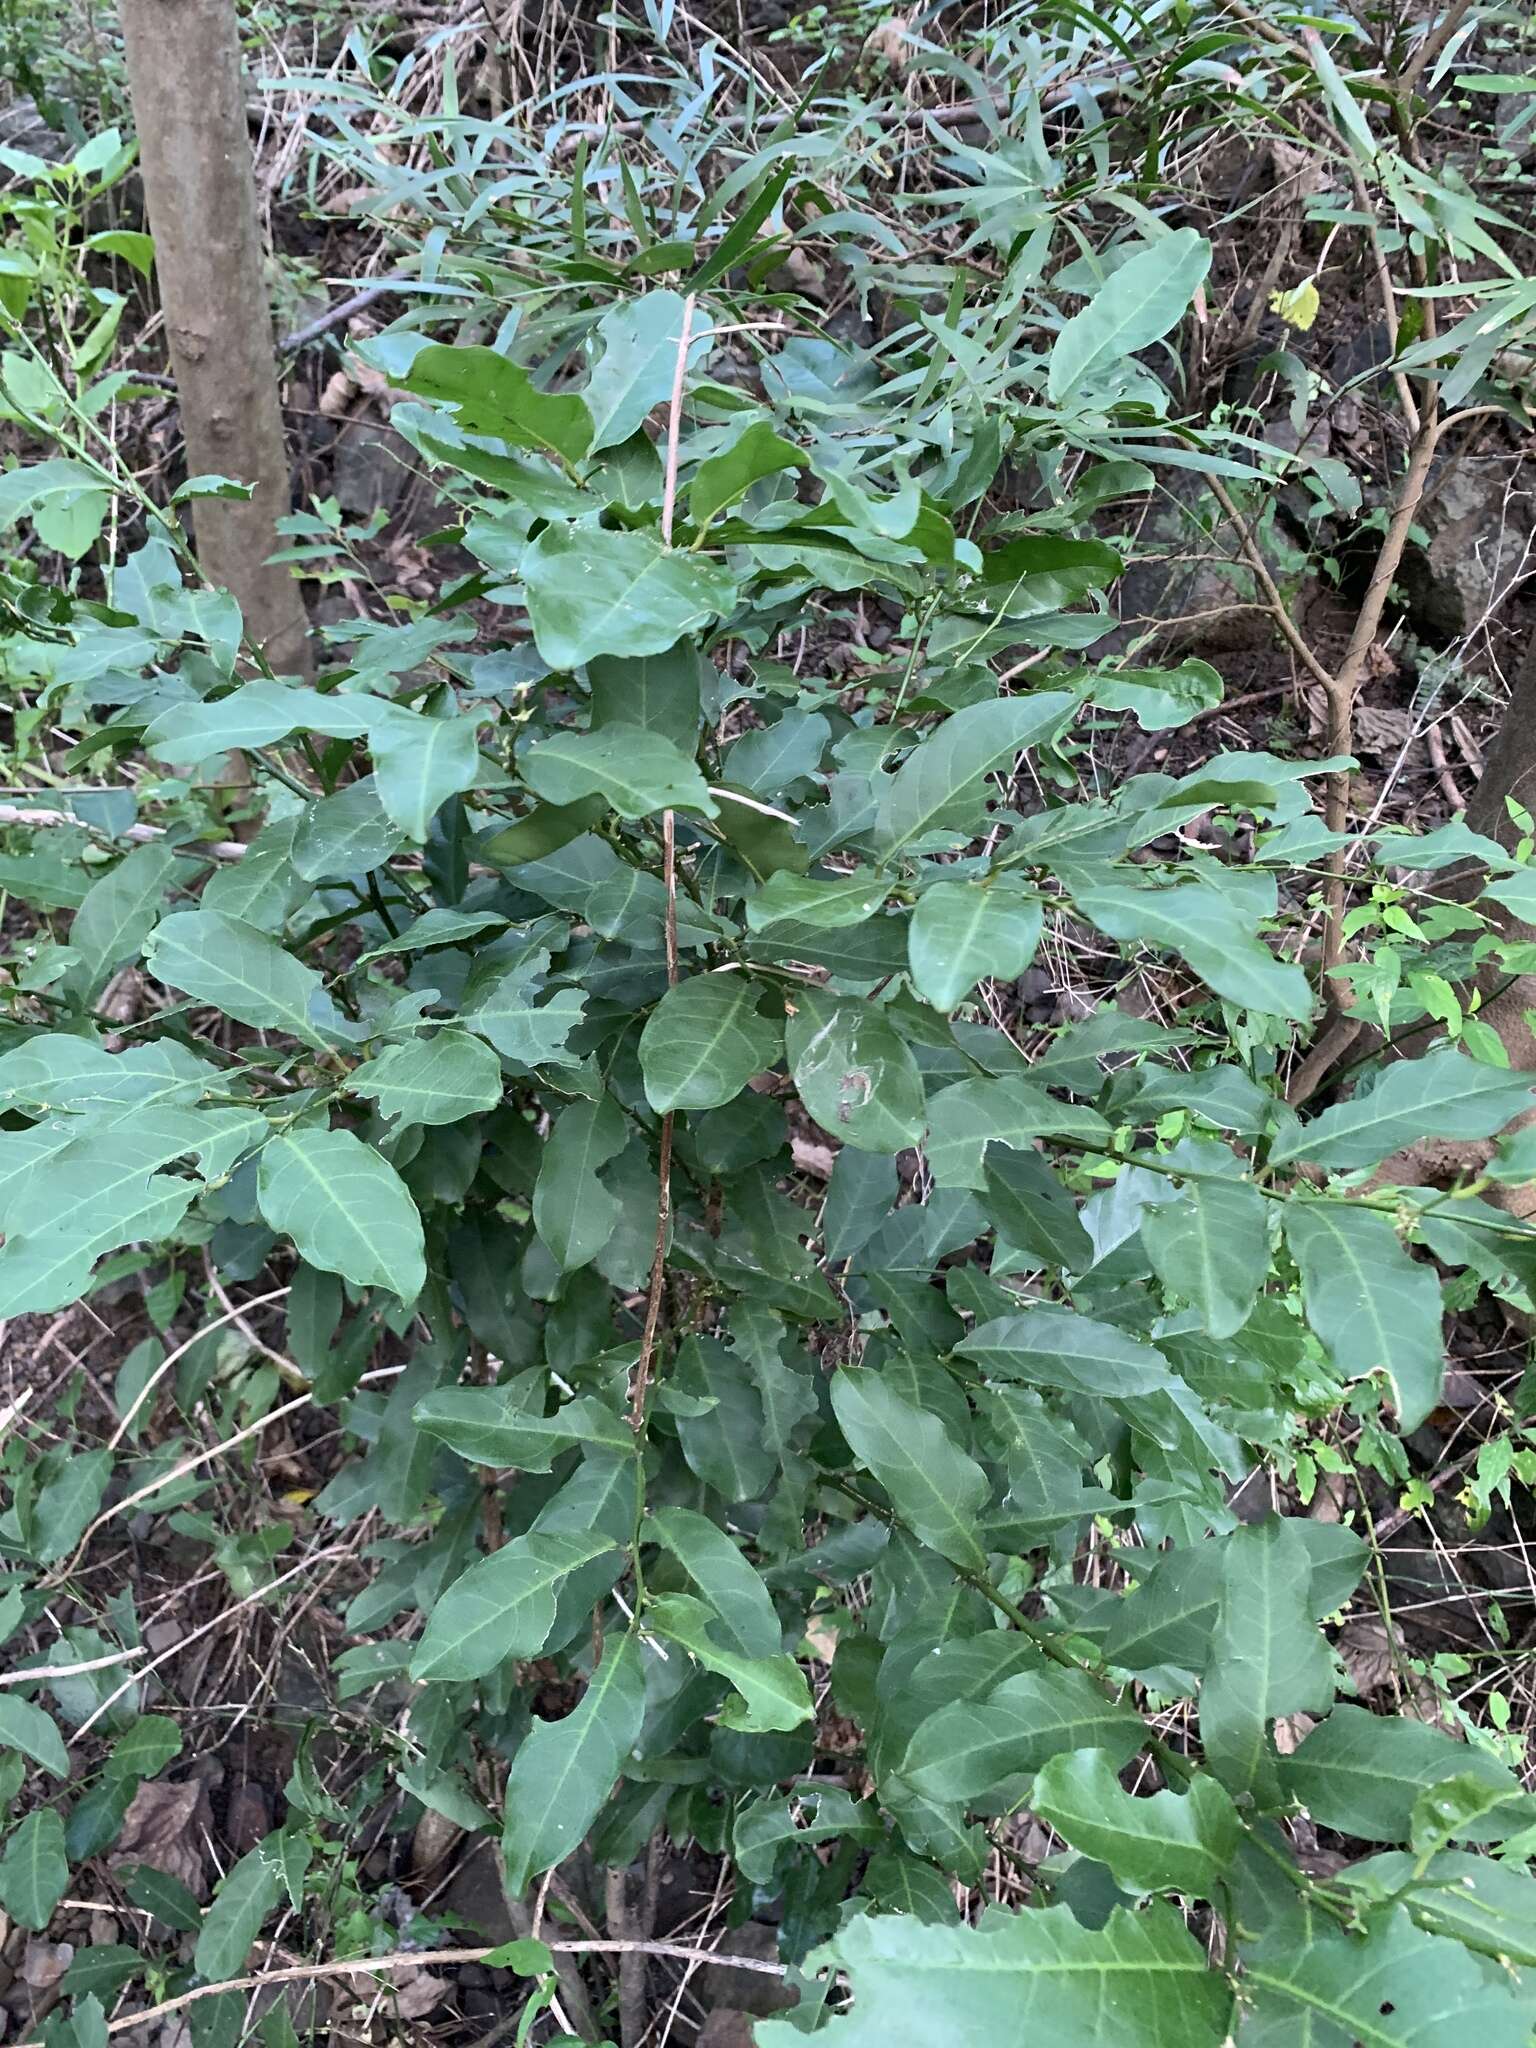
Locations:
column 184, row 73
column 1510, row 770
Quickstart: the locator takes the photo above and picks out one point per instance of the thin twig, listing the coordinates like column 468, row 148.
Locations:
column 181, row 1351
column 225, row 1614
column 206, row 849
column 642, row 1375
column 1351, row 672
column 421, row 1959
column 1274, row 601
column 37, row 1671
column 342, row 310
column 1432, row 45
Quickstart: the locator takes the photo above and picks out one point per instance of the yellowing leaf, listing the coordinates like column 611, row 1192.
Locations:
column 1297, row 308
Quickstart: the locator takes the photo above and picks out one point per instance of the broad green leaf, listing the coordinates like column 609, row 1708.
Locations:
column 347, row 834
column 634, row 374
column 1171, row 1842
column 56, row 1070
column 714, row 1562
column 1055, row 1347
column 149, row 1745
column 97, row 1193
column 1158, row 697
column 27, row 1728
column 503, row 1606
column 635, row 771
column 591, row 591
column 498, row 1426
column 941, row 786
column 825, row 902
column 724, row 1440
column 1210, row 930
column 244, row 1899
column 1031, row 1978
column 68, row 1491
column 157, row 1892
column 723, row 480
column 1267, row 1657
column 1136, row 305
column 763, row 1828
column 244, row 972
column 522, row 1024
column 495, row 396
column 969, row 1748
column 936, row 1489
column 967, row 1117
column 345, row 1208
column 855, row 1072
column 437, row 1080
column 1489, row 1905
column 420, row 762
column 101, row 1971
column 961, row 931
column 119, row 913
column 662, row 692
column 34, row 1872
column 704, row 1041
column 1170, row 1618
column 772, row 1690
column 564, row 1770
column 1210, row 1247
column 573, row 1212
column 1033, row 1211
column 1373, row 1307
column 265, row 888
column 1391, row 1986
column 1361, row 1773
column 257, row 714
column 1439, row 1095
column 545, row 829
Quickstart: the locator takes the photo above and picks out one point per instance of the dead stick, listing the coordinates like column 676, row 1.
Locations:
column 208, row 849
column 413, row 1959
column 1343, row 689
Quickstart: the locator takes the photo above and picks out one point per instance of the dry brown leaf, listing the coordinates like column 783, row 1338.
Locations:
column 417, row 1992
column 1291, row 1730
column 1366, row 1650
column 164, row 1827
column 338, row 394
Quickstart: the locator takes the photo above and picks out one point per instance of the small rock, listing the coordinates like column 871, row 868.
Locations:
column 747, row 1991
column 22, row 127
column 475, row 1895
column 247, row 1818
column 1480, row 526
column 370, row 473
column 45, row 1962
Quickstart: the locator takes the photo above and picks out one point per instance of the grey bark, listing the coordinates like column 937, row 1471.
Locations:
column 184, row 74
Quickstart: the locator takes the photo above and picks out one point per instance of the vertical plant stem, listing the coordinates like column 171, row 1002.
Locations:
column 1351, row 671
column 640, row 1383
